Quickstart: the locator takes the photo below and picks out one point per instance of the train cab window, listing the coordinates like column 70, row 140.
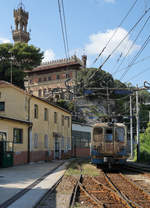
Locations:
column 109, row 135
column 119, row 134
column 98, row 134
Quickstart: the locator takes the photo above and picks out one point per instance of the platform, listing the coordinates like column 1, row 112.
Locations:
column 15, row 179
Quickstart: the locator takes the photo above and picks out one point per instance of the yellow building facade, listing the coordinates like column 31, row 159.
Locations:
column 37, row 129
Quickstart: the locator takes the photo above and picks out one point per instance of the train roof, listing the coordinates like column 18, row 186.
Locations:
column 108, row 125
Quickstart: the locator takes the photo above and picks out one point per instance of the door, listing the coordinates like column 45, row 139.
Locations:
column 109, row 146
column 3, row 137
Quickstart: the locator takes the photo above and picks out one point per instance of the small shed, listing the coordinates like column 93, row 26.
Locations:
column 81, row 140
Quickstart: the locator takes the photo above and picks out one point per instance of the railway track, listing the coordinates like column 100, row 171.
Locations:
column 110, row 190
column 60, row 195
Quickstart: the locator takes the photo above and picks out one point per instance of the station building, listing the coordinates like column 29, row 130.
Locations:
column 32, row 128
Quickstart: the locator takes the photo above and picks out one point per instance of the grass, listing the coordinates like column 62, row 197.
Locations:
column 86, row 166
column 73, row 169
column 77, row 205
column 89, row 169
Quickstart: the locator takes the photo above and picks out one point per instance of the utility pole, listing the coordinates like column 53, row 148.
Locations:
column 137, row 127
column 131, row 127
column 108, row 104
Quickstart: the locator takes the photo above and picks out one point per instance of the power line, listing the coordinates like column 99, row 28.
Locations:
column 114, row 33
column 135, row 25
column 130, row 48
column 63, row 26
column 136, row 56
column 135, row 76
column 140, row 61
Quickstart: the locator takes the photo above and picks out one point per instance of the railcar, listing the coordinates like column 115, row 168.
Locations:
column 109, row 144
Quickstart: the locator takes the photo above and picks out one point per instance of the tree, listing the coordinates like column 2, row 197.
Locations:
column 18, row 58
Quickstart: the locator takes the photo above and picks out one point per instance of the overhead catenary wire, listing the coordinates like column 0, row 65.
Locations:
column 137, row 75
column 114, row 33
column 94, row 74
column 135, row 25
column 132, row 45
column 136, row 56
column 140, row 61
column 63, row 26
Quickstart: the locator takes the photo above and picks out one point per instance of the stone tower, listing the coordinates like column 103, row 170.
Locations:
column 20, row 33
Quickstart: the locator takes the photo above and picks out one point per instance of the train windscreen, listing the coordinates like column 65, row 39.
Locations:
column 98, row 134
column 120, row 134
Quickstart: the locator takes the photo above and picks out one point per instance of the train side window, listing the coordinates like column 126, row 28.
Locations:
column 98, row 134
column 120, row 134
column 109, row 135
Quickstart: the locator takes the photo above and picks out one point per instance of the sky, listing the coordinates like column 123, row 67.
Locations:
column 91, row 25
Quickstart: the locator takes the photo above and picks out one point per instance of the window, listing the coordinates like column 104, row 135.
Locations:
column 3, row 136
column 39, row 93
column 18, row 135
column 35, row 141
column 62, row 143
column 68, row 121
column 44, row 92
column 62, row 120
column 35, row 111
column 108, row 135
column 120, row 134
column 2, row 106
column 49, row 78
column 45, row 114
column 57, row 76
column 67, row 76
column 46, row 141
column 55, row 117
column 68, row 143
column 40, row 80
column 45, row 79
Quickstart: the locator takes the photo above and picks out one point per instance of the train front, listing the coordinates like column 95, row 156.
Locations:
column 109, row 143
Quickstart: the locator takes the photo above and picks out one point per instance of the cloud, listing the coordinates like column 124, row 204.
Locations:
column 49, row 55
column 4, row 40
column 98, row 42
